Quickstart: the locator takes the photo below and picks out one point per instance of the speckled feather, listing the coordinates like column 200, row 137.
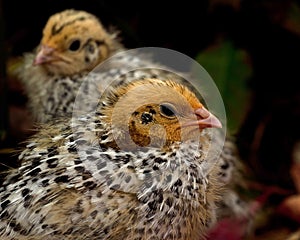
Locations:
column 54, row 93
column 154, row 193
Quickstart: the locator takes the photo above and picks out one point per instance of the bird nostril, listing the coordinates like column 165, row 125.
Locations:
column 202, row 113
column 206, row 119
column 199, row 117
column 46, row 49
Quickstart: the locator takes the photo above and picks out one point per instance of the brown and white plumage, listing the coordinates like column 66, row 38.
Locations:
column 80, row 181
column 59, row 71
column 73, row 43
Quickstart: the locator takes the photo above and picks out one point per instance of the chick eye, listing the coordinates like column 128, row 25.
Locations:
column 167, row 110
column 75, row 45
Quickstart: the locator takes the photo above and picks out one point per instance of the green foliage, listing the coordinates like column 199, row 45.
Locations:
column 229, row 69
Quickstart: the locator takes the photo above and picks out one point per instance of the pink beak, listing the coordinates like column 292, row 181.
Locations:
column 205, row 119
column 44, row 55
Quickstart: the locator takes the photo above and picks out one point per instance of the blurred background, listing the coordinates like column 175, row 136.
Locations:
column 251, row 49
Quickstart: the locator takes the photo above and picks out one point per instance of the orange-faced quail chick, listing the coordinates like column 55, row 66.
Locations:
column 139, row 167
column 53, row 83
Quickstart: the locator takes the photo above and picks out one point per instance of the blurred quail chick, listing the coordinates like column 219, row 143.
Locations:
column 73, row 43
column 138, row 168
column 233, row 174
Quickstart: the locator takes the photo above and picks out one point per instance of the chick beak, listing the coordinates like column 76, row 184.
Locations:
column 45, row 55
column 205, row 119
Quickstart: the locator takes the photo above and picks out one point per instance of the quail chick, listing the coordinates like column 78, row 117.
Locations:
column 233, row 174
column 73, row 43
column 142, row 166
column 60, row 69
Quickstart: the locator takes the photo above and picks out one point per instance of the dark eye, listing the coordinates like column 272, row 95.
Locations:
column 167, row 110
column 75, row 45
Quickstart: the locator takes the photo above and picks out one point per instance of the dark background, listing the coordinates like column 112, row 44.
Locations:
column 270, row 128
